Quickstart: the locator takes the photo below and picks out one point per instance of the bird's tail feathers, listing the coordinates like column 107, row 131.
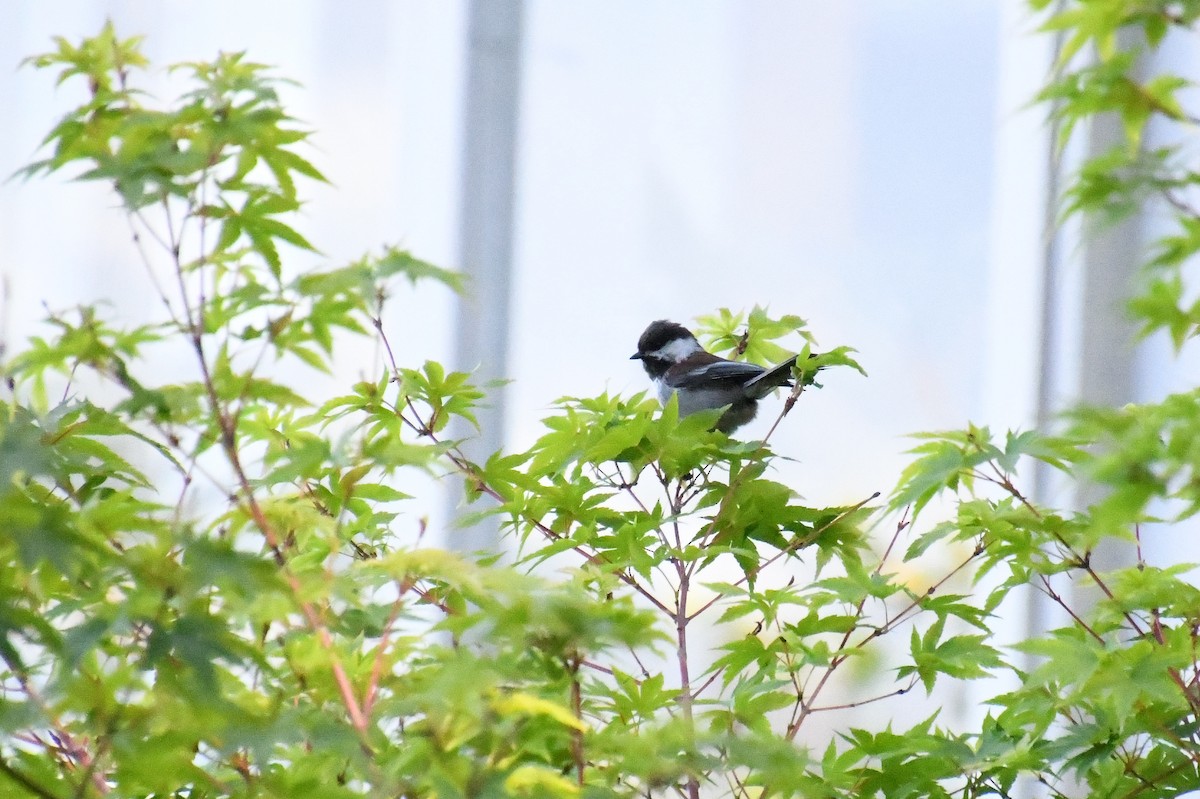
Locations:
column 773, row 378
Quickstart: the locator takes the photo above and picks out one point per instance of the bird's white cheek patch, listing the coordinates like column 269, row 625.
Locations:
column 677, row 349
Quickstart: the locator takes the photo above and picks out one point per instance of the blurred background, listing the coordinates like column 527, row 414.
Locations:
column 875, row 168
column 871, row 168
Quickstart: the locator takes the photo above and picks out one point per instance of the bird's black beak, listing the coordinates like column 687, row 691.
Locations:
column 637, row 356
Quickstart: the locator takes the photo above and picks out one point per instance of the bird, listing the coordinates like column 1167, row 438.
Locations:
column 678, row 364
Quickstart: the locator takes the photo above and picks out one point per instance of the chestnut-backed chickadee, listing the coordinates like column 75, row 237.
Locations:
column 678, row 364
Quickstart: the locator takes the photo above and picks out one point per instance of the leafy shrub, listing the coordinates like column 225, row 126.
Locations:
column 211, row 587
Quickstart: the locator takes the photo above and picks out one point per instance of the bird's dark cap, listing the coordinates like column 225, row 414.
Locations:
column 658, row 335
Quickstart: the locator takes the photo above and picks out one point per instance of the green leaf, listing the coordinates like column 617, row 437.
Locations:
column 396, row 261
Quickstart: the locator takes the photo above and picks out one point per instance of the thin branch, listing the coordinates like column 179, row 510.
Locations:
column 844, row 649
column 789, row 549
column 638, row 660
column 150, row 271
column 471, row 472
column 577, row 710
column 685, row 684
column 74, row 751
column 377, row 321
column 859, row 703
column 227, row 425
column 380, row 650
column 788, row 404
column 594, row 558
column 594, row 666
column 1179, row 204
column 1083, row 561
column 1055, row 597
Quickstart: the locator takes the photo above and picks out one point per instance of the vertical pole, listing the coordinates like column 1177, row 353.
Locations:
column 1108, row 351
column 486, row 228
column 1087, row 346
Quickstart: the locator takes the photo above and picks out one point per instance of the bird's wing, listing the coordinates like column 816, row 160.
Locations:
column 737, row 372
column 770, row 379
